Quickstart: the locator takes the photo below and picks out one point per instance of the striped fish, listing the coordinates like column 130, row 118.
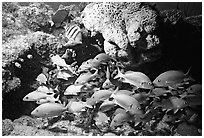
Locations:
column 73, row 34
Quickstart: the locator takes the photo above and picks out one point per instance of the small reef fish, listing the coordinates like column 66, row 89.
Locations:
column 106, row 106
column 18, row 65
column 94, row 63
column 57, row 60
column 103, row 58
column 73, row 34
column 73, row 89
column 195, row 89
column 63, row 74
column 44, row 89
column 172, row 79
column 85, row 77
column 193, row 100
column 36, row 95
column 101, row 118
column 75, row 107
column 140, row 97
column 29, row 56
column 160, row 91
column 127, row 102
column 49, row 99
column 59, row 17
column 108, row 83
column 172, row 103
column 49, row 110
column 41, row 78
column 138, row 79
column 119, row 119
column 101, row 95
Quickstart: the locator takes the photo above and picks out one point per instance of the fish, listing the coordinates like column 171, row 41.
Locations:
column 103, row 58
column 140, row 97
column 18, row 65
column 138, row 79
column 195, row 89
column 101, row 118
column 73, row 35
column 75, row 107
column 49, row 99
column 107, row 83
column 119, row 119
column 172, row 79
column 101, row 95
column 94, row 63
column 73, row 89
column 127, row 102
column 173, row 102
column 63, row 74
column 49, row 110
column 36, row 95
column 125, row 92
column 193, row 100
column 85, row 77
column 59, row 17
column 41, row 78
column 160, row 92
column 57, row 60
column 44, row 89
column 106, row 106
column 29, row 56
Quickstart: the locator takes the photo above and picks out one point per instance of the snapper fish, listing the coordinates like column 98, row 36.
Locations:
column 36, row 95
column 85, row 77
column 49, row 110
column 45, row 89
column 108, row 83
column 73, row 34
column 101, row 117
column 172, row 79
column 119, row 119
column 173, row 103
column 106, row 106
column 101, row 95
column 41, row 78
column 138, row 79
column 160, row 91
column 75, row 107
column 57, row 60
column 73, row 89
column 195, row 89
column 59, row 17
column 193, row 100
column 49, row 99
column 64, row 74
column 127, row 102
column 103, row 58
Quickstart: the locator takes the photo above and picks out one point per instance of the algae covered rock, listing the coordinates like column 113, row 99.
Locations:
column 126, row 24
column 7, row 127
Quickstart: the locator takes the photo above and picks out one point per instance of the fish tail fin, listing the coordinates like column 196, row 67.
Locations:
column 87, row 105
column 119, row 74
column 114, row 92
column 188, row 71
column 188, row 77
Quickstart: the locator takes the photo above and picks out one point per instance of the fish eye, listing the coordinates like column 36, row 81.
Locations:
column 36, row 110
column 149, row 83
column 159, row 80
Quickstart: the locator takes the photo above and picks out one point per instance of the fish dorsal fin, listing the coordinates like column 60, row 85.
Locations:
column 187, row 71
column 119, row 74
column 107, row 73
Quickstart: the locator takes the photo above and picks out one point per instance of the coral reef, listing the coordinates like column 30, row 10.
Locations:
column 137, row 36
column 124, row 24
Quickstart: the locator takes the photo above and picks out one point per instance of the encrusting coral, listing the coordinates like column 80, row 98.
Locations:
column 124, row 24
